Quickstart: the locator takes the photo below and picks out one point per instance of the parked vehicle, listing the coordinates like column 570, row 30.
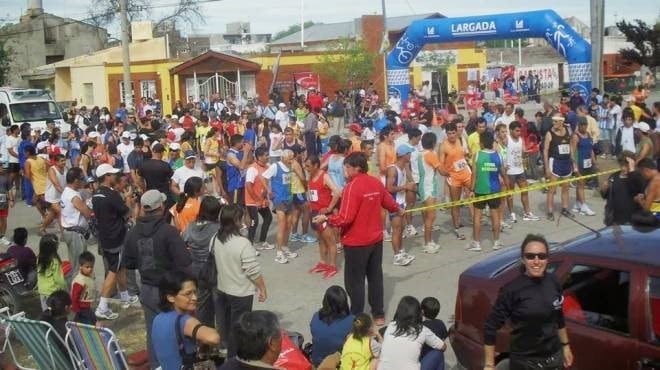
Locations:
column 611, row 283
column 34, row 106
column 17, row 291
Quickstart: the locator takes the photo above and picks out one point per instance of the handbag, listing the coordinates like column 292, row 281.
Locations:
column 190, row 361
column 291, row 356
column 208, row 276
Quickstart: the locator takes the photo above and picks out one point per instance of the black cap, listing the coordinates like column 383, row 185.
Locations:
column 158, row 148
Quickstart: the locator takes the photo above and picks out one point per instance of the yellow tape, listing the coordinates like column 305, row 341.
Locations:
column 502, row 194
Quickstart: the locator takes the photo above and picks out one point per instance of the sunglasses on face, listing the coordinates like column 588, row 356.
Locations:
column 533, row 256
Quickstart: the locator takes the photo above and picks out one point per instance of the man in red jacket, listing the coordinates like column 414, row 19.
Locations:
column 362, row 234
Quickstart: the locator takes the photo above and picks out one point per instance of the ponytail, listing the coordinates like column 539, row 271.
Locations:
column 361, row 326
column 191, row 189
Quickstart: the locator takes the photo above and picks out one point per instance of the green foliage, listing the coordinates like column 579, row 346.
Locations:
column 435, row 61
column 646, row 40
column 5, row 58
column 291, row 30
column 349, row 63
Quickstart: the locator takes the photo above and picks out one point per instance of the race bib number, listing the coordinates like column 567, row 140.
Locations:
column 516, row 159
column 3, row 201
column 286, row 179
column 564, row 149
column 586, row 163
column 313, row 196
column 460, row 165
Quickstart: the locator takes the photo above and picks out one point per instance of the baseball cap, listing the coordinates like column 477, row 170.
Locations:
column 644, row 127
column 152, row 199
column 355, row 127
column 636, row 125
column 175, row 146
column 403, row 150
column 282, row 105
column 189, row 154
column 41, row 145
column 126, row 135
column 105, row 169
column 93, row 135
column 174, row 116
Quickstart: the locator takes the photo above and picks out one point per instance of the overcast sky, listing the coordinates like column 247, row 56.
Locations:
column 271, row 16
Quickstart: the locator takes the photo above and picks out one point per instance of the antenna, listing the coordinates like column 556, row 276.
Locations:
column 574, row 219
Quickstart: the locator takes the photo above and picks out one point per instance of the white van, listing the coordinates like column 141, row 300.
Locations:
column 35, row 106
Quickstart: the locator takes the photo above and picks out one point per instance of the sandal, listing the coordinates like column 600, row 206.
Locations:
column 459, row 236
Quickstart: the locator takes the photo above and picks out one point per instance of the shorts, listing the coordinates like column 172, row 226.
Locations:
column 111, row 261
column 299, row 199
column 283, row 206
column 317, row 227
column 455, row 182
column 560, row 168
column 237, row 197
column 492, row 203
column 4, row 213
column 514, row 179
column 210, row 166
column 393, row 215
column 14, row 168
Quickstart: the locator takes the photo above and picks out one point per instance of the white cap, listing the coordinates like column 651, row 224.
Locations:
column 174, row 116
column 629, row 98
column 144, row 137
column 282, row 105
column 175, row 146
column 126, row 135
column 105, row 169
column 93, row 135
column 41, row 145
column 644, row 127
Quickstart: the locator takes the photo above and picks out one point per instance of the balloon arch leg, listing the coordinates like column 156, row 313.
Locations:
column 545, row 24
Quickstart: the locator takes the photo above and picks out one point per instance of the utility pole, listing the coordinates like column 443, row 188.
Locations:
column 302, row 23
column 597, row 9
column 126, row 59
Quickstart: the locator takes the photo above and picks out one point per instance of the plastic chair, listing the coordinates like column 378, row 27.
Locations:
column 41, row 341
column 96, row 347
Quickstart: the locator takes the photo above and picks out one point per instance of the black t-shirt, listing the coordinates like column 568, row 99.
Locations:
column 427, row 117
column 156, row 174
column 110, row 211
column 438, row 328
column 620, row 196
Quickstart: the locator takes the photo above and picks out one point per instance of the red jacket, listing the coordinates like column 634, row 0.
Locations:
column 359, row 215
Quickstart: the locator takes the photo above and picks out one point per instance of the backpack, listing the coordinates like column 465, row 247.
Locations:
column 208, row 276
column 356, row 354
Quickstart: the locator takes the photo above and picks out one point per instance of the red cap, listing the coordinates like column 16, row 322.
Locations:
column 355, row 127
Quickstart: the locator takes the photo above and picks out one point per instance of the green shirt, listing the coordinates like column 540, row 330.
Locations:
column 51, row 279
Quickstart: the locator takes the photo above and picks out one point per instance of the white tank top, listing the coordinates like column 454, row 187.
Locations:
column 399, row 197
column 70, row 216
column 52, row 195
column 514, row 157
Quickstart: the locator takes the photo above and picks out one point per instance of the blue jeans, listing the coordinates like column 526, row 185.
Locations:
column 28, row 191
column 433, row 360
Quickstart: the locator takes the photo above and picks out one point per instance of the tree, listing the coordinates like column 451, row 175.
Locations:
column 436, row 62
column 101, row 13
column 5, row 58
column 348, row 62
column 291, row 30
column 646, row 41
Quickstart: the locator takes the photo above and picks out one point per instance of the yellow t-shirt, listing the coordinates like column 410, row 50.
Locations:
column 474, row 144
column 39, row 169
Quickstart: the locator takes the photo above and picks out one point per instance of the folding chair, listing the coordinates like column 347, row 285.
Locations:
column 97, row 348
column 41, row 341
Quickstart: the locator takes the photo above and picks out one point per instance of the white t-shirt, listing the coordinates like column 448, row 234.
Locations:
column 403, row 352
column 182, row 174
column 69, row 215
column 125, row 150
column 251, row 175
column 12, row 143
column 505, row 120
column 395, row 104
column 177, row 133
column 514, row 156
column 282, row 119
column 628, row 139
column 272, row 170
column 614, row 115
column 275, row 138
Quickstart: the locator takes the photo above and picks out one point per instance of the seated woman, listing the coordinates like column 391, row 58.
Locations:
column 331, row 324
column 178, row 301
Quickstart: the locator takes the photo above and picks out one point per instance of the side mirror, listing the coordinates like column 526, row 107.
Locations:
column 6, row 122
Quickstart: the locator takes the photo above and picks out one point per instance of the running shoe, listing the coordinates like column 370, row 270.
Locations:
column 133, row 300
column 295, row 237
column 550, row 216
column 576, row 208
column 339, row 248
column 281, row 258
column 585, row 210
column 106, row 315
column 319, row 267
column 566, row 213
column 401, row 260
column 497, row 244
column 409, row 231
column 308, row 239
column 431, row 248
column 387, row 237
column 458, row 235
column 436, row 228
column 513, row 218
column 529, row 216
column 506, row 225
column 265, row 246
column 289, row 254
column 408, row 255
column 474, row 246
column 330, row 272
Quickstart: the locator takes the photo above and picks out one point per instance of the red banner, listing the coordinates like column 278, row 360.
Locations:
column 306, row 80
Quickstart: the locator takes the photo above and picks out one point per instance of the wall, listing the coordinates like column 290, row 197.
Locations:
column 63, row 84
column 89, row 74
column 158, row 70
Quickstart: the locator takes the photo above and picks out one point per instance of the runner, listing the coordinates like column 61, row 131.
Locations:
column 650, row 200
column 54, row 188
column 452, row 156
column 515, row 171
column 501, row 142
column 397, row 184
column 256, row 199
column 429, row 189
column 299, row 198
column 558, row 163
column 239, row 157
column 584, row 161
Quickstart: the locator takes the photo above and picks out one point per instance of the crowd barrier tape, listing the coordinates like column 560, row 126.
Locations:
column 508, row 193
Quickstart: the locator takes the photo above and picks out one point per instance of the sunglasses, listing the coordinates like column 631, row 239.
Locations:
column 532, row 256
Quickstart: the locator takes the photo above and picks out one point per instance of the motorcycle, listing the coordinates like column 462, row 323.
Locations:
column 17, row 291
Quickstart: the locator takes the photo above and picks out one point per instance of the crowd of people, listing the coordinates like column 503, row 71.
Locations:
column 185, row 200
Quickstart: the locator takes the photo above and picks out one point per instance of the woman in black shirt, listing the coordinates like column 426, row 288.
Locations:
column 532, row 302
column 620, row 189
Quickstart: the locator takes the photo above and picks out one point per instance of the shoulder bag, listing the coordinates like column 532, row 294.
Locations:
column 208, row 276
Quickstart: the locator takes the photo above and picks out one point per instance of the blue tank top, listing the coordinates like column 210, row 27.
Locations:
column 280, row 184
column 584, row 148
column 235, row 176
column 336, row 170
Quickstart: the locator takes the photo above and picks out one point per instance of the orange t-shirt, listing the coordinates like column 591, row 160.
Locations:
column 253, row 176
column 455, row 162
column 187, row 214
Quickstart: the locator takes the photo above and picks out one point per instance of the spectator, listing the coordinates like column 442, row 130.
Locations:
column 404, row 337
column 239, row 273
column 258, row 341
column 331, row 324
column 49, row 269
column 56, row 314
column 432, row 359
column 187, row 208
column 26, row 261
column 156, row 174
column 362, row 347
column 620, row 189
column 83, row 290
column 175, row 330
column 74, row 216
column 650, row 199
column 197, row 237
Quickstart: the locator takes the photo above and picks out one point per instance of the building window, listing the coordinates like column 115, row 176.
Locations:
column 147, row 88
column 50, row 35
column 248, row 83
column 54, row 58
column 88, row 94
column 121, row 93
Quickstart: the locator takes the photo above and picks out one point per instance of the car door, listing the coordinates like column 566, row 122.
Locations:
column 597, row 311
column 649, row 320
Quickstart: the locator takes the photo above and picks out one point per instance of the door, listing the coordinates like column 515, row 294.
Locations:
column 649, row 343
column 597, row 312
column 439, row 88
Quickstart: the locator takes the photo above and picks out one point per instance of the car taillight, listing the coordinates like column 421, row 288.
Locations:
column 8, row 264
column 458, row 309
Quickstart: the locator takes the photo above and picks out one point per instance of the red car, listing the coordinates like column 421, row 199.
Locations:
column 611, row 283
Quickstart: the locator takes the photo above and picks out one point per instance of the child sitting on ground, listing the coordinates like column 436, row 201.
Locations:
column 26, row 261
column 362, row 347
column 57, row 312
column 83, row 290
column 428, row 355
column 49, row 269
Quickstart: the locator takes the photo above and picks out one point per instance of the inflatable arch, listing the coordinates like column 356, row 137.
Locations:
column 545, row 24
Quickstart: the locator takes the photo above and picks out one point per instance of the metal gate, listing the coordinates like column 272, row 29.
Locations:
column 217, row 84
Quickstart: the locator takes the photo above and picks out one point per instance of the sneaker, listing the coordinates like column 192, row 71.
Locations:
column 409, row 231
column 319, row 267
column 295, row 237
column 401, row 260
column 431, row 248
column 330, row 272
column 281, row 258
column 585, row 210
column 132, row 301
column 379, row 321
column 576, row 208
column 339, row 248
column 506, row 225
column 531, row 181
column 474, row 246
column 529, row 216
column 604, row 156
column 257, row 253
column 513, row 218
column 106, row 315
column 5, row 241
column 497, row 244
column 387, row 237
column 408, row 255
column 566, row 213
column 289, row 254
column 308, row 239
column 436, row 228
column 265, row 246
column 550, row 216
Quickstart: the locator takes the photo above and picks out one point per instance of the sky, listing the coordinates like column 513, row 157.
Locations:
column 271, row 16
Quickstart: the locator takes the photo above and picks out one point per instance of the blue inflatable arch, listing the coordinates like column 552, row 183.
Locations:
column 545, row 24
